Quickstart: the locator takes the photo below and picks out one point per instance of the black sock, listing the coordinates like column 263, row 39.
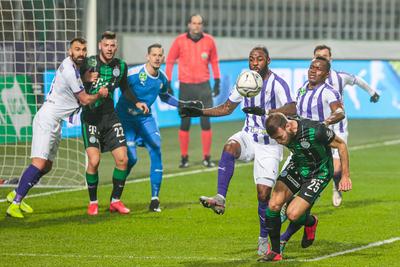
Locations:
column 119, row 178
column 92, row 181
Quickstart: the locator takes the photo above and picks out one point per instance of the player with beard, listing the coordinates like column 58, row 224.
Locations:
column 65, row 98
column 252, row 142
column 305, row 176
column 101, row 128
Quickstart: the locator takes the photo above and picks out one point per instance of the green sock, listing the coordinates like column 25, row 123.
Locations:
column 273, row 224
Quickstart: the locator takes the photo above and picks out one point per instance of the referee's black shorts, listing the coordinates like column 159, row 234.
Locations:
column 196, row 91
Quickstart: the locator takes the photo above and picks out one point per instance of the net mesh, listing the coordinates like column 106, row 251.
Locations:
column 34, row 38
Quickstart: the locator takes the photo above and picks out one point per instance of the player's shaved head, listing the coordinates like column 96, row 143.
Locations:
column 261, row 48
column 326, row 61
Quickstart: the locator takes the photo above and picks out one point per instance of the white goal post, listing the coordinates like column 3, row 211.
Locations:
column 34, row 38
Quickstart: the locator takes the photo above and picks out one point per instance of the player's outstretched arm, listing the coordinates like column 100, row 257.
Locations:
column 345, row 181
column 356, row 80
column 288, row 109
column 224, row 109
column 86, row 99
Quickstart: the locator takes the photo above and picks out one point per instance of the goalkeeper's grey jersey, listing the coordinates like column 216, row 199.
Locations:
column 62, row 100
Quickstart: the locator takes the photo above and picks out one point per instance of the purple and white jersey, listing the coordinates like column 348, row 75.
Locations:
column 274, row 94
column 314, row 103
column 338, row 80
column 62, row 101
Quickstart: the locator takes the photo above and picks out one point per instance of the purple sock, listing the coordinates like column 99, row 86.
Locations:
column 28, row 179
column 226, row 167
column 291, row 230
column 262, row 206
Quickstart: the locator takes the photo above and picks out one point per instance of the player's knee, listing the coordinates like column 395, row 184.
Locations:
column 292, row 215
column 122, row 161
column 263, row 196
column 274, row 205
column 233, row 148
column 93, row 162
column 47, row 168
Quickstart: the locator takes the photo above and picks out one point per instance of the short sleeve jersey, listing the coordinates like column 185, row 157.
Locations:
column 310, row 147
column 112, row 76
column 62, row 100
column 274, row 94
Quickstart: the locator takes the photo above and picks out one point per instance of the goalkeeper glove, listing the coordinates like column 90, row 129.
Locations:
column 216, row 90
column 374, row 98
column 187, row 111
column 194, row 103
column 255, row 110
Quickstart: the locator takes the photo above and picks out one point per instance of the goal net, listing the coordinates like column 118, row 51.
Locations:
column 34, row 38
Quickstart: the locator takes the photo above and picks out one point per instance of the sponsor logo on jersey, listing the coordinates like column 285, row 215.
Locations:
column 308, row 195
column 302, row 90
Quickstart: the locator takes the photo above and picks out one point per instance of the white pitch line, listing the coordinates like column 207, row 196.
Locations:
column 140, row 180
column 370, row 245
column 385, row 143
column 188, row 258
column 171, row 175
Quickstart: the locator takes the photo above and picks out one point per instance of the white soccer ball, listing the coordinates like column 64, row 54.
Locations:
column 249, row 83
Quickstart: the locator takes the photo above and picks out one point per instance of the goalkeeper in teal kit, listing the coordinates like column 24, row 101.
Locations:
column 147, row 82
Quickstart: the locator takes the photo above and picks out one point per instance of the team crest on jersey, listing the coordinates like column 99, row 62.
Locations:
column 284, row 173
column 142, row 77
column 116, row 72
column 305, row 144
column 204, row 55
column 302, row 90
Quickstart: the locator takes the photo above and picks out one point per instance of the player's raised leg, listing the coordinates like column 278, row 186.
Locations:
column 226, row 168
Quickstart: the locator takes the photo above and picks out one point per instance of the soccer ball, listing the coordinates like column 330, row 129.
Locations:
column 249, row 83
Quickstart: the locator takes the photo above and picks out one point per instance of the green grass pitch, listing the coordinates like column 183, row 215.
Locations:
column 59, row 233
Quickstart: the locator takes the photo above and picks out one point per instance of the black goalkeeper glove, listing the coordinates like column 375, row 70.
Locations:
column 254, row 110
column 216, row 88
column 374, row 98
column 187, row 111
column 194, row 104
